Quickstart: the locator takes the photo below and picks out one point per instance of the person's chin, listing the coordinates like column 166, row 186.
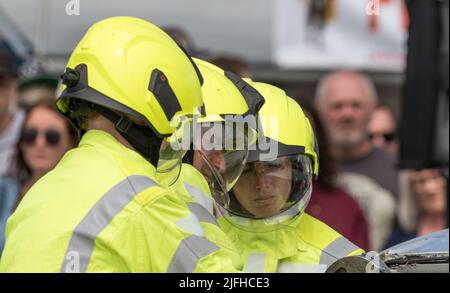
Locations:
column 42, row 166
column 265, row 207
column 348, row 140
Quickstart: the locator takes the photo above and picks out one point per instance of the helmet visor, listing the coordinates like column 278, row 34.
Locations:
column 268, row 188
column 173, row 149
column 221, row 153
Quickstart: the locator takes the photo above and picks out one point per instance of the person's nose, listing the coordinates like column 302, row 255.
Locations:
column 347, row 111
column 263, row 179
column 40, row 141
column 218, row 161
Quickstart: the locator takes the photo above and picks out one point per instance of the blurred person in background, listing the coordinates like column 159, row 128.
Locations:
column 182, row 38
column 422, row 200
column 383, row 132
column 233, row 64
column 45, row 137
column 376, row 202
column 345, row 101
column 330, row 203
column 10, row 120
column 382, row 129
column 39, row 88
column 424, row 211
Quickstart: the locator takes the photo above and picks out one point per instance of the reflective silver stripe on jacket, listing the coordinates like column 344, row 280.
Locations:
column 194, row 247
column 200, row 197
column 202, row 214
column 189, row 253
column 256, row 263
column 192, row 225
column 82, row 243
column 337, row 249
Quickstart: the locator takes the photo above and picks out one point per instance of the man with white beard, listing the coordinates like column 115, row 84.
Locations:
column 345, row 101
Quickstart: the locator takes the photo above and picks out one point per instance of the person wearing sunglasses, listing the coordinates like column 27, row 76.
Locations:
column 263, row 214
column 382, row 129
column 45, row 137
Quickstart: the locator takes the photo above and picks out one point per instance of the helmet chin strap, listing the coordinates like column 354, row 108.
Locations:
column 142, row 138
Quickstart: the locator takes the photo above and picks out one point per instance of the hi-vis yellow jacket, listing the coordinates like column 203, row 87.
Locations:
column 102, row 210
column 304, row 245
column 193, row 189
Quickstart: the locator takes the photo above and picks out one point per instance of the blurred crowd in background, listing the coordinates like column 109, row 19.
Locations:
column 370, row 188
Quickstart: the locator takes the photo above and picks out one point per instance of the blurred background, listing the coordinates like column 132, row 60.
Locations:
column 272, row 36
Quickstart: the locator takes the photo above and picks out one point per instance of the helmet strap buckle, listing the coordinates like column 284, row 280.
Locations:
column 123, row 125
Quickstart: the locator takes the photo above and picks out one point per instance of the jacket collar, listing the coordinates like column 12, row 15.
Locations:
column 109, row 145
